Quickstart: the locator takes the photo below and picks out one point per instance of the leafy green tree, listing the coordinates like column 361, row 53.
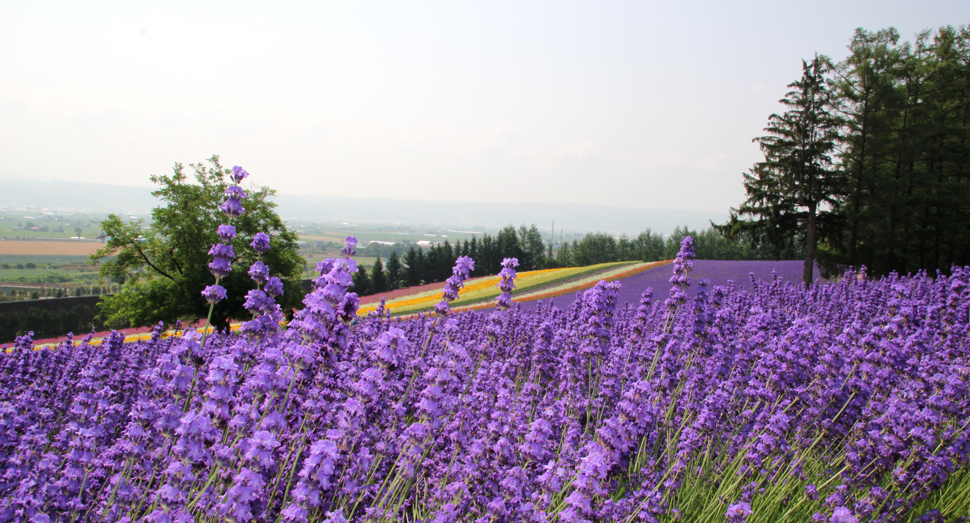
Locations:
column 395, row 272
column 164, row 266
column 796, row 186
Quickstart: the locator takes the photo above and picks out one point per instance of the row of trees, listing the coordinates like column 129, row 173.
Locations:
column 419, row 266
column 11, row 294
column 80, row 320
column 870, row 164
column 434, row 265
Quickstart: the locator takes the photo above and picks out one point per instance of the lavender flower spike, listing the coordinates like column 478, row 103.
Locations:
column 350, row 247
column 463, row 267
column 683, row 264
column 507, row 283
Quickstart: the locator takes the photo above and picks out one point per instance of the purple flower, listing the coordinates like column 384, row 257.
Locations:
column 442, row 308
column 214, row 293
column 738, row 512
column 232, row 207
column 222, row 254
column 222, row 251
column 259, row 272
column 260, row 242
column 226, row 233
column 257, row 301
column 234, row 191
column 843, row 515
column 350, row 246
column 220, row 267
column 506, row 284
column 274, row 286
column 463, row 266
column 239, row 174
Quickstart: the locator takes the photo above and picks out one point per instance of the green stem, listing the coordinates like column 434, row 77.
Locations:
column 208, row 319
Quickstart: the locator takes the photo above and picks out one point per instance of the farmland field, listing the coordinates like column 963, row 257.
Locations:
column 49, row 248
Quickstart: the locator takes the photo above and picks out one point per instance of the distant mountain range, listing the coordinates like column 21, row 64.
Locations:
column 578, row 217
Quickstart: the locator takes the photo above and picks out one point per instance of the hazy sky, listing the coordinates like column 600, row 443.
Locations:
column 637, row 104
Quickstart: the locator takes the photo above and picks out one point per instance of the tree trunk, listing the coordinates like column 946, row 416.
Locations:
column 808, row 274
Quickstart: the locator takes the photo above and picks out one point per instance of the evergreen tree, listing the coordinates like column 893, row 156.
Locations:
column 362, row 284
column 378, row 280
column 791, row 191
column 414, row 261
column 431, row 264
column 564, row 256
column 472, row 252
column 508, row 246
column 533, row 247
column 395, row 273
column 907, row 152
column 869, row 100
column 446, row 260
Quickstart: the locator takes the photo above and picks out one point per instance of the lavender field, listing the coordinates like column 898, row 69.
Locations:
column 836, row 402
column 840, row 402
column 742, row 274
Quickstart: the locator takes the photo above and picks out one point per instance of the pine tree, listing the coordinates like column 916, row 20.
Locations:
column 791, row 192
column 362, row 284
column 395, row 273
column 378, row 280
column 446, row 260
column 414, row 260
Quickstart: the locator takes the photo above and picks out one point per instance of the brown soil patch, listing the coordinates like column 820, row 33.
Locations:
column 49, row 248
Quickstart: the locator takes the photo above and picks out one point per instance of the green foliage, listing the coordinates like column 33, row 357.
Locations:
column 890, row 189
column 395, row 272
column 361, row 280
column 794, row 189
column 414, row 261
column 378, row 280
column 164, row 266
column 907, row 152
column 45, row 323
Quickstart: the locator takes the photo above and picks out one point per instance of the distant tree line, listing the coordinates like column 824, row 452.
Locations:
column 419, row 266
column 12, row 293
column 44, row 323
column 870, row 164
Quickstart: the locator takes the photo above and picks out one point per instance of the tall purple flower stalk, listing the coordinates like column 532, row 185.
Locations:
column 507, row 282
column 463, row 267
column 683, row 265
column 261, row 301
column 222, row 253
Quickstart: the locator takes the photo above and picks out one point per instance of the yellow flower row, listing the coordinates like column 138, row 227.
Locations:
column 487, row 288
column 539, row 278
column 428, row 298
